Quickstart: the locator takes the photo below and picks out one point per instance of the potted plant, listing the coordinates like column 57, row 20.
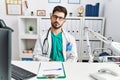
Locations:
column 31, row 29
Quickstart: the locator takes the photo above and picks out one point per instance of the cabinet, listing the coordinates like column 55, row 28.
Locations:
column 73, row 25
column 97, row 25
column 26, row 39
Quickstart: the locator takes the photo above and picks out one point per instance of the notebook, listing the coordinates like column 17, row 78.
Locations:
column 51, row 70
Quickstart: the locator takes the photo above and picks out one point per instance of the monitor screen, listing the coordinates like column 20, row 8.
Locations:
column 5, row 54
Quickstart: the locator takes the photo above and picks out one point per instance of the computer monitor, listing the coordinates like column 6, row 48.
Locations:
column 5, row 54
column 3, row 25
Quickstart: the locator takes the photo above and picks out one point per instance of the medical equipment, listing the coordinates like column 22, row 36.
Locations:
column 100, row 74
column 115, row 46
column 96, row 77
column 101, row 54
column 105, row 70
column 45, row 46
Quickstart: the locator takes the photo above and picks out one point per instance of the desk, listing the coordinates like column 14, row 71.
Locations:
column 74, row 71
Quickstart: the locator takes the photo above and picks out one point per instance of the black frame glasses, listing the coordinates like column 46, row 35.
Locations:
column 58, row 17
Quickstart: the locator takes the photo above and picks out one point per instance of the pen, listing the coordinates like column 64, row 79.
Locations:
column 53, row 69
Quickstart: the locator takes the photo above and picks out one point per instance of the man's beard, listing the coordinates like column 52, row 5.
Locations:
column 55, row 26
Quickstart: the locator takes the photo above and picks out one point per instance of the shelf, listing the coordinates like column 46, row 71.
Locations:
column 26, row 55
column 73, row 25
column 91, row 39
column 29, row 36
column 93, row 18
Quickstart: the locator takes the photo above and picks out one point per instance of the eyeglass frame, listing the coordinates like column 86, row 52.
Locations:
column 58, row 17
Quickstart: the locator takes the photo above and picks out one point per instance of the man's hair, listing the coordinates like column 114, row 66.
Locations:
column 60, row 9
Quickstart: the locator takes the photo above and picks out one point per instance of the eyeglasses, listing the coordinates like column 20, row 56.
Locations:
column 57, row 17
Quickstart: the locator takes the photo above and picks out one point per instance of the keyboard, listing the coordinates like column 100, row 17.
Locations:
column 20, row 73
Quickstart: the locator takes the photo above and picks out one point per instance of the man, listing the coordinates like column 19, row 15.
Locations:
column 56, row 44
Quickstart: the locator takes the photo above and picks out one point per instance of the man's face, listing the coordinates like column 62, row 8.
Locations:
column 57, row 20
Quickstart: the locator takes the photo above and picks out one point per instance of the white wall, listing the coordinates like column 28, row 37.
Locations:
column 12, row 22
column 34, row 5
column 112, row 14
column 44, row 5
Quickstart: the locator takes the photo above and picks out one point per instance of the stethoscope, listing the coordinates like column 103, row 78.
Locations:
column 45, row 46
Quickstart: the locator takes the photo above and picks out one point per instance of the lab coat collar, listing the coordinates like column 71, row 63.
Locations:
column 49, row 42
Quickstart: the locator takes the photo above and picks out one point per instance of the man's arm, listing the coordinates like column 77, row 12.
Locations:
column 72, row 54
column 37, row 53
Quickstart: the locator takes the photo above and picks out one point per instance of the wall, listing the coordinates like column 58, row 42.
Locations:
column 112, row 14
column 12, row 22
column 34, row 5
column 44, row 5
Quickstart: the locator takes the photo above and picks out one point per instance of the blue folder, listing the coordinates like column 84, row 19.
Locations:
column 92, row 10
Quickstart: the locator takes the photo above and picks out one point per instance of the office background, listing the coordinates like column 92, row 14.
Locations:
column 108, row 9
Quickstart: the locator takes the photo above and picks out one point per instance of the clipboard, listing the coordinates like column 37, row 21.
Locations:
column 48, row 70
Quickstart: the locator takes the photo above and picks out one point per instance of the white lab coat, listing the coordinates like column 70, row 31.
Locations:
column 68, row 55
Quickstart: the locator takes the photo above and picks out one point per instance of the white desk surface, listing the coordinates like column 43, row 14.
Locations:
column 74, row 71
